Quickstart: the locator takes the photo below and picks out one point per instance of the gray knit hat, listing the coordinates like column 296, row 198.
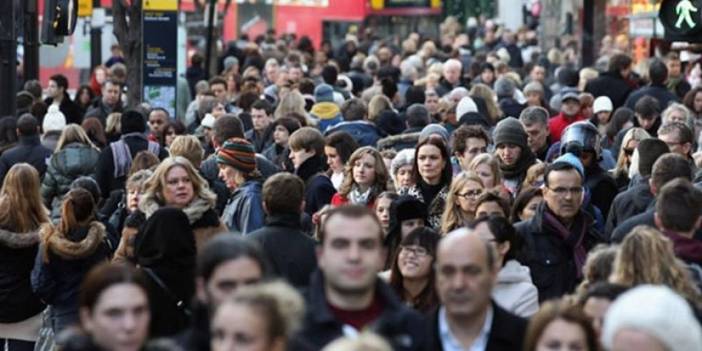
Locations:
column 510, row 131
column 434, row 128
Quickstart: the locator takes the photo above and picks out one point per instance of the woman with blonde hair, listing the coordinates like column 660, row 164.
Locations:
column 377, row 105
column 21, row 214
column 487, row 167
column 292, row 102
column 629, row 144
column 365, row 177
column 75, row 156
column 646, row 257
column 488, row 95
column 461, row 202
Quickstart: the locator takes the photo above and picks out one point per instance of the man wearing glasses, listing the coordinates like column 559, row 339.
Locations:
column 559, row 236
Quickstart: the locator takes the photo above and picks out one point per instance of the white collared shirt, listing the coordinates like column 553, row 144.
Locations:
column 449, row 342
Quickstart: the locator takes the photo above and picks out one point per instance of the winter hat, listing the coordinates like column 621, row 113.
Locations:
column 208, row 121
column 54, row 120
column 238, row 153
column 434, row 128
column 573, row 161
column 24, row 101
column 504, row 87
column 657, row 311
column 510, row 131
column 570, row 95
column 602, row 104
column 535, row 87
column 466, row 105
column 408, row 207
column 403, row 158
column 230, row 61
column 649, row 151
column 390, row 123
column 324, row 93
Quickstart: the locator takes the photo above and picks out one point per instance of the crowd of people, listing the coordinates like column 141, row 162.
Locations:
column 464, row 192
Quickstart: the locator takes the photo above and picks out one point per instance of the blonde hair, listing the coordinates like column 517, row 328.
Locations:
column 292, row 102
column 381, row 173
column 113, row 123
column 635, row 133
column 366, row 341
column 534, row 172
column 491, row 161
column 73, row 133
column 21, row 206
column 646, row 257
column 452, row 217
column 488, row 95
column 378, row 104
column 586, row 74
column 189, row 147
column 153, row 188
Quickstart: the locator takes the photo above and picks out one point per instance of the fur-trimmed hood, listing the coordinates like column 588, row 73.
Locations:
column 195, row 210
column 15, row 240
column 400, row 141
column 59, row 244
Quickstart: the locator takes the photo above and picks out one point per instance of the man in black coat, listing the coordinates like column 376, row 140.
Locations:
column 658, row 74
column 307, row 155
column 346, row 296
column 561, row 233
column 58, row 84
column 107, row 103
column 28, row 148
column 613, row 83
column 468, row 319
column 290, row 252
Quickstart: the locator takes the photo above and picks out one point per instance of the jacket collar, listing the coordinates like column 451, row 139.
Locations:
column 310, row 167
column 287, row 220
column 29, row 140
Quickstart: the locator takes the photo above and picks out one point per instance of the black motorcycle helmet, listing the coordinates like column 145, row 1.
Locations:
column 580, row 137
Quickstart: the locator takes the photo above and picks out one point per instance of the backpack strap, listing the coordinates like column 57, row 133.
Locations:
column 121, row 158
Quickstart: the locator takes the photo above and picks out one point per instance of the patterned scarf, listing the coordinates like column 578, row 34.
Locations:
column 573, row 238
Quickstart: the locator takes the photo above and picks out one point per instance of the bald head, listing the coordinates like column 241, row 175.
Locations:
column 464, row 239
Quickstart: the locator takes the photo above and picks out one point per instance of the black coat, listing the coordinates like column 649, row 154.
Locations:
column 660, row 92
column 290, row 252
column 29, row 150
column 318, row 187
column 551, row 262
column 628, row 204
column 404, row 328
column 506, row 331
column 17, row 253
column 612, row 85
column 71, row 111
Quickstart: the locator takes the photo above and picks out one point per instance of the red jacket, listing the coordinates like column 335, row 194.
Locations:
column 558, row 123
column 338, row 200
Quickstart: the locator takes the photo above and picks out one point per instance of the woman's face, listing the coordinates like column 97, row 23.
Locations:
column 133, row 195
column 697, row 102
column 431, row 163
column 561, row 335
column 530, row 209
column 409, row 225
column 629, row 150
column 281, row 135
column 533, row 98
column 404, row 177
column 178, row 190
column 120, row 318
column 485, row 173
column 382, row 210
column 218, row 110
column 100, row 75
column 230, row 176
column 170, row 135
column 364, row 171
column 603, row 117
column 84, row 97
column 467, row 197
column 414, row 262
column 237, row 327
column 333, row 159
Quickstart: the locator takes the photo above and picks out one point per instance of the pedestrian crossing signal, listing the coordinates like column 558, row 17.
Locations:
column 682, row 20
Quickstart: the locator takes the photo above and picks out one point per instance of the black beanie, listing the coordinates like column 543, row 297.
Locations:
column 390, row 123
column 649, row 151
column 403, row 208
column 132, row 121
column 510, row 131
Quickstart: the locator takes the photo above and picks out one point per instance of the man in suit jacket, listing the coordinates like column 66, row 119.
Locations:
column 468, row 319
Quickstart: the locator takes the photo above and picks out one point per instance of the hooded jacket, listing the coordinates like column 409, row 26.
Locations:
column 399, row 142
column 364, row 132
column 73, row 161
column 328, row 114
column 515, row 291
column 17, row 254
column 56, row 278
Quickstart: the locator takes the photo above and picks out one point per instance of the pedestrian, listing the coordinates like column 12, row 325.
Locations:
column 307, row 155
column 513, row 153
column 461, row 202
column 338, row 147
column 279, row 151
column 365, row 177
column 28, row 148
column 558, row 324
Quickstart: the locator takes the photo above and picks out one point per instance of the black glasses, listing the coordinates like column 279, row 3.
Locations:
column 418, row 251
column 563, row 191
column 471, row 193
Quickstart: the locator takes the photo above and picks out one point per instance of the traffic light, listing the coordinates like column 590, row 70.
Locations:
column 682, row 20
column 59, row 20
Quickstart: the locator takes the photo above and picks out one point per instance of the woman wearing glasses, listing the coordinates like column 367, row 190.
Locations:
column 629, row 144
column 411, row 275
column 461, row 202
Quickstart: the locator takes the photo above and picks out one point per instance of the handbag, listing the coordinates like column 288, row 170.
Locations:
column 180, row 304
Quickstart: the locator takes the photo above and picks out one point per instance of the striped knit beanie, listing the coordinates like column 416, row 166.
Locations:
column 239, row 154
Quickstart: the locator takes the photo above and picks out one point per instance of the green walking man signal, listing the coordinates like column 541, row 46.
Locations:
column 684, row 11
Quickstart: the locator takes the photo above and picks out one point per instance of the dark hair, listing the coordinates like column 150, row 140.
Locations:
column 492, row 196
column 503, row 231
column 354, row 110
column 283, row 193
column 262, row 104
column 344, row 144
column 78, row 208
column 657, row 72
column 689, row 99
column 618, row 120
column 428, row 239
column 522, row 200
column 679, row 205
column 463, row 133
column 388, row 87
column 246, row 99
column 438, row 141
column 144, row 159
column 227, row 247
column 619, row 62
column 417, row 116
column 226, row 127
column 603, row 290
column 559, row 167
column 88, row 184
column 330, row 74
column 81, row 90
column 177, row 126
column 554, row 310
column 105, row 275
column 218, row 80
column 27, row 125
column 8, row 130
column 60, row 80
column 160, row 109
column 350, row 211
column 132, row 121
column 648, row 107
column 668, row 167
column 290, row 124
column 95, row 131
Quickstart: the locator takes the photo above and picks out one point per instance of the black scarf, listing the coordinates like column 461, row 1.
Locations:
column 310, row 167
column 526, row 159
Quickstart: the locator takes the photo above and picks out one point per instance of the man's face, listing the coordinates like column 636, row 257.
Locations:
column 537, row 135
column 538, row 74
column 110, row 94
column 464, row 279
column 158, row 120
column 674, row 68
column 646, row 122
column 351, row 255
column 53, row 89
column 564, row 193
column 260, row 119
column 431, row 102
column 508, row 153
column 452, row 73
column 227, row 278
column 474, row 147
column 219, row 90
column 298, row 157
column 295, row 74
column 487, row 76
column 570, row 107
column 673, row 141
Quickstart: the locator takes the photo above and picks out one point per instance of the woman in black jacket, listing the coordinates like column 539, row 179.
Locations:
column 21, row 214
